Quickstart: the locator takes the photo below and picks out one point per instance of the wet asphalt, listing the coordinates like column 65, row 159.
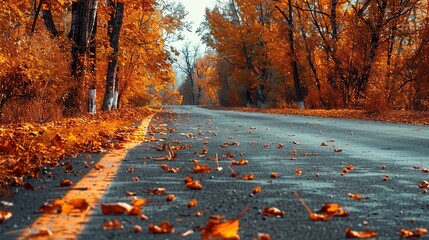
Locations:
column 385, row 157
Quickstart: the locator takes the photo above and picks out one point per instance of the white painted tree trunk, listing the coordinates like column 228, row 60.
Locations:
column 92, row 97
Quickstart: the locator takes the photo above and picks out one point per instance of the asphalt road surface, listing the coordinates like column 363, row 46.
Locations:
column 308, row 154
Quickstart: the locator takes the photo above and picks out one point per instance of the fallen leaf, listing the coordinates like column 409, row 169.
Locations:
column 296, row 142
column 328, row 211
column 156, row 191
column 165, row 167
column 194, row 185
column 423, row 184
column 115, row 208
column 164, row 227
column 217, row 228
column 263, row 236
column 192, row 203
column 248, row 176
column 137, row 228
column 272, row 211
column 274, row 175
column 40, row 232
column 337, row 150
column 187, row 233
column 241, row 162
column 365, row 234
column 256, row 190
column 5, row 215
column 170, row 198
column 280, row 145
column 298, row 171
column 418, row 232
column 201, row 168
column 56, row 141
column 356, row 196
column 66, row 182
column 115, row 224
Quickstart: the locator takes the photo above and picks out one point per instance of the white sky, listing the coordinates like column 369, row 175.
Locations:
column 196, row 12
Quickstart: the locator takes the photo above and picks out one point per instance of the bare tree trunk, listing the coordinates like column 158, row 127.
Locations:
column 289, row 21
column 114, row 26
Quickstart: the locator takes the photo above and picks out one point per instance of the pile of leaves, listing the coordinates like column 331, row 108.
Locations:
column 26, row 147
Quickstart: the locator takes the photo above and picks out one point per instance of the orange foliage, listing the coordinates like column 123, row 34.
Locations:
column 217, row 228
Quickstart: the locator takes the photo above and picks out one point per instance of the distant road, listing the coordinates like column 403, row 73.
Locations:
column 308, row 154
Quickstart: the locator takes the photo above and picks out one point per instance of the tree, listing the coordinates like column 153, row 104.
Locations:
column 187, row 66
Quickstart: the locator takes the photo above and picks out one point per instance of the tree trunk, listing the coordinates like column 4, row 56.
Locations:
column 114, row 26
column 82, row 32
column 289, row 21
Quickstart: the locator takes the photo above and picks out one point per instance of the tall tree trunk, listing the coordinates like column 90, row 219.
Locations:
column 289, row 21
column 114, row 26
column 83, row 29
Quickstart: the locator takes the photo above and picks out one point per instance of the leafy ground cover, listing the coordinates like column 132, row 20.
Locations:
column 412, row 117
column 26, row 147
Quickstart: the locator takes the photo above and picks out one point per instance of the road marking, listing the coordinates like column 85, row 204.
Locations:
column 96, row 182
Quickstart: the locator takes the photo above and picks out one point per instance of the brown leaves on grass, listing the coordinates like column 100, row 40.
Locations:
column 163, row 228
column 217, row 228
column 365, row 234
column 418, row 232
column 328, row 211
column 5, row 215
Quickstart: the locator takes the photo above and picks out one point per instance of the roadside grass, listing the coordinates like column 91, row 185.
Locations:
column 25, row 148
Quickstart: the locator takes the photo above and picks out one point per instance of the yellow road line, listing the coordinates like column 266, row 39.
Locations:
column 96, row 182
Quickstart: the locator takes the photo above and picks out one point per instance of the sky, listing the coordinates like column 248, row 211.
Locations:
column 196, row 11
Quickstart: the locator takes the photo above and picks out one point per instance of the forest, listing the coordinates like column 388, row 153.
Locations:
column 65, row 58
column 329, row 54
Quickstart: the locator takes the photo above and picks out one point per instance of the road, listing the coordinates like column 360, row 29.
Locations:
column 308, row 154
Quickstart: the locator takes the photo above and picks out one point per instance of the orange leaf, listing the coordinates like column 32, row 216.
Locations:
column 272, row 211
column 256, row 190
column 423, row 184
column 274, row 175
column 115, row 208
column 195, row 185
column 365, row 234
column 418, row 232
column 66, row 182
column 217, row 228
column 137, row 228
column 264, row 236
column 201, row 168
column 156, row 191
column 165, row 227
column 192, row 203
column 5, row 215
column 115, row 224
column 169, row 169
column 56, row 141
column 298, row 171
column 138, row 202
column 170, row 198
column 241, row 162
column 327, row 211
column 248, row 176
